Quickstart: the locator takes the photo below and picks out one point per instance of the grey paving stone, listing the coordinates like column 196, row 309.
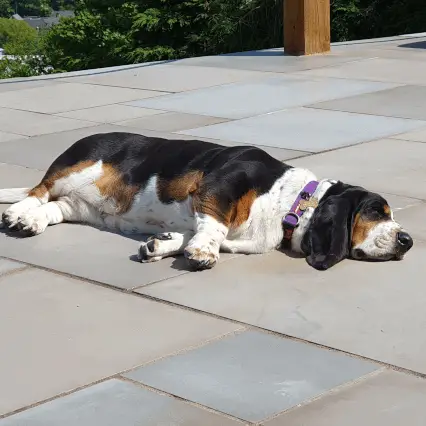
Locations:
column 414, row 217
column 31, row 124
column 7, row 266
column 416, row 136
column 271, row 60
column 115, row 403
column 368, row 51
column 367, row 308
column 261, row 96
column 376, row 69
column 41, row 151
column 59, row 334
column 307, row 129
column 403, row 102
column 18, row 177
column 388, row 165
column 10, row 87
column 252, row 375
column 168, row 77
column 4, row 136
column 69, row 96
column 172, row 122
column 388, row 399
column 110, row 113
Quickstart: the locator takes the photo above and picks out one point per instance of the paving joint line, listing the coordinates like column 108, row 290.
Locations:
column 143, row 286
column 407, row 140
column 358, row 78
column 370, row 114
column 184, row 400
column 352, row 145
column 324, row 394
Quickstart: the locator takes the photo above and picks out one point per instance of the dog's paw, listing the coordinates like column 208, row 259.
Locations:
column 200, row 258
column 10, row 219
column 31, row 225
column 146, row 252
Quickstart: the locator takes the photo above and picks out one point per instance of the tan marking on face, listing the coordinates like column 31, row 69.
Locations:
column 387, row 210
column 361, row 229
column 47, row 183
column 179, row 188
column 112, row 186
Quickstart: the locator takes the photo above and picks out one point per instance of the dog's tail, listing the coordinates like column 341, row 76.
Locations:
column 13, row 195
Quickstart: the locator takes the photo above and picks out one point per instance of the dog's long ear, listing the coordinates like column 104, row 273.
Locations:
column 327, row 239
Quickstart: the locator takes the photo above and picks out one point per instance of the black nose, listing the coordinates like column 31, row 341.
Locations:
column 404, row 240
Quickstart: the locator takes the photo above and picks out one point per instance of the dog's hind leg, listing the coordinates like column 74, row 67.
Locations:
column 36, row 220
column 163, row 245
column 35, row 198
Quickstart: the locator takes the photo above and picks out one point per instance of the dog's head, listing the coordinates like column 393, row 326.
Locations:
column 353, row 222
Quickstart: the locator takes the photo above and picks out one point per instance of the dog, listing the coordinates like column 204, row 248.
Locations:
column 200, row 198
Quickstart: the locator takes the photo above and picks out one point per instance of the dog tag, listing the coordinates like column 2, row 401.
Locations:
column 304, row 204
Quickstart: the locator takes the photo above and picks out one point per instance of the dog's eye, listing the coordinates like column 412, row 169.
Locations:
column 375, row 215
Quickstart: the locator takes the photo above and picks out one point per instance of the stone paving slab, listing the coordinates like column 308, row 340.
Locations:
column 388, row 399
column 110, row 113
column 307, row 129
column 69, row 96
column 252, row 375
column 26, row 123
column 414, row 218
column 114, row 403
column 378, row 51
column 58, row 334
column 168, row 78
column 371, row 309
column 172, row 122
column 403, row 102
column 270, row 60
column 376, row 69
column 389, row 165
column 5, row 86
column 18, row 177
column 246, row 99
column 416, row 136
column 4, row 136
column 41, row 151
column 7, row 266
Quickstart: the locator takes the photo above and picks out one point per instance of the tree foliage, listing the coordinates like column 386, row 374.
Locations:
column 32, row 7
column 21, row 44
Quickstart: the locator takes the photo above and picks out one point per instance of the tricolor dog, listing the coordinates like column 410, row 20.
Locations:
column 199, row 198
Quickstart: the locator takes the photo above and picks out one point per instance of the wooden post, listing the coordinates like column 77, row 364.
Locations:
column 306, row 26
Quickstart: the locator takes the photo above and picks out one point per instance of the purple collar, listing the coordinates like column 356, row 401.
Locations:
column 303, row 201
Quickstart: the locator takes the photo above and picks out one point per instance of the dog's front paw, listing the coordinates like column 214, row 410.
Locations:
column 32, row 225
column 146, row 252
column 10, row 219
column 200, row 258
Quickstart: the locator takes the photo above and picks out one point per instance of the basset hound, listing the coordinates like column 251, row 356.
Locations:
column 200, row 198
